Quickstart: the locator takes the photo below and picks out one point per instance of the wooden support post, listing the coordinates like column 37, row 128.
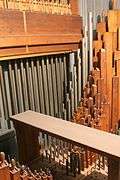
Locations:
column 28, row 143
column 113, row 169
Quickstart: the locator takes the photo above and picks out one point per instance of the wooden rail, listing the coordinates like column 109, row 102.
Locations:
column 81, row 135
column 29, row 123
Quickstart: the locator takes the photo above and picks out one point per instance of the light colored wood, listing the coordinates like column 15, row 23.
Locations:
column 115, row 101
column 118, row 38
column 108, row 43
column 81, row 135
column 103, row 68
column 112, row 20
column 101, row 27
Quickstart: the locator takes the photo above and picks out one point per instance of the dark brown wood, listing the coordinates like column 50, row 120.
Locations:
column 113, row 169
column 28, row 144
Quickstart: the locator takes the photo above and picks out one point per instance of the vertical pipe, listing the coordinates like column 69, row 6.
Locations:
column 90, row 41
column 35, row 86
column 3, row 92
column 86, row 54
column 13, row 89
column 72, row 62
column 45, row 87
column 58, row 86
column 8, row 97
column 24, row 86
column 41, row 90
column 53, row 75
column 75, row 89
column 32, row 91
column 30, row 87
column 50, row 87
column 83, row 63
column 3, row 125
column 79, row 74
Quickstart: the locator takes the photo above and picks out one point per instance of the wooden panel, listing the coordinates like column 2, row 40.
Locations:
column 11, row 23
column 54, row 24
column 24, row 29
column 79, row 134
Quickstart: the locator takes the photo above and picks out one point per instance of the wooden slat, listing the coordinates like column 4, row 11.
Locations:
column 32, row 51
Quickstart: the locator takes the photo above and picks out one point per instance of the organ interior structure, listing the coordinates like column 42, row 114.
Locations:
column 59, row 90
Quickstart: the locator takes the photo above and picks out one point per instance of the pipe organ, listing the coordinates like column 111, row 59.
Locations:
column 39, row 67
column 47, row 84
column 50, row 64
